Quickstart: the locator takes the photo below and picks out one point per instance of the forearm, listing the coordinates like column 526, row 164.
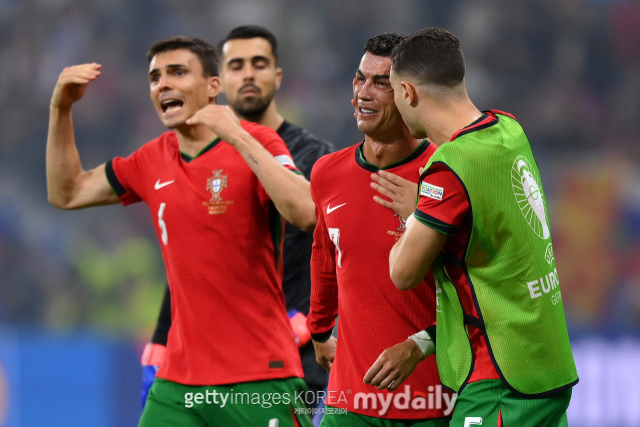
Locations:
column 62, row 159
column 68, row 186
column 405, row 275
column 323, row 309
column 413, row 254
column 288, row 191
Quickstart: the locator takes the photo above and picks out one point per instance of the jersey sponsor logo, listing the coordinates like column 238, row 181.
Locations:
column 526, row 187
column 215, row 185
column 431, row 191
column 285, row 160
column 330, row 209
column 159, row 185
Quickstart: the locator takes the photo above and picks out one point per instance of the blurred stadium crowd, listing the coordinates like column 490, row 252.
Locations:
column 569, row 70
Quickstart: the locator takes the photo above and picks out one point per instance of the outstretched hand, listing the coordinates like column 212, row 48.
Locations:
column 72, row 83
column 220, row 119
column 394, row 365
column 402, row 193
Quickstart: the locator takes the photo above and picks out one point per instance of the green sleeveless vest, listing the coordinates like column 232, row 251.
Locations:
column 509, row 265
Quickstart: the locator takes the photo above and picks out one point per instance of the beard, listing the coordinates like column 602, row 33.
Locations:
column 252, row 108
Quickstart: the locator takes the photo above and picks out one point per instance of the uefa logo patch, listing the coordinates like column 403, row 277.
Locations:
column 527, row 189
column 431, row 191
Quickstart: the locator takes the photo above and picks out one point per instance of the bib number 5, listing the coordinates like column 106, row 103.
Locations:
column 472, row 421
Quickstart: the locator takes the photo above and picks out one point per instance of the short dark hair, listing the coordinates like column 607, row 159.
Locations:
column 203, row 50
column 383, row 44
column 250, row 32
column 432, row 55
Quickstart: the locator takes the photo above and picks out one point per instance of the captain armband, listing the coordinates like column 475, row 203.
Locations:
column 423, row 339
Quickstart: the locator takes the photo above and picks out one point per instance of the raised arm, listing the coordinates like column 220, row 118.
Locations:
column 289, row 192
column 68, row 186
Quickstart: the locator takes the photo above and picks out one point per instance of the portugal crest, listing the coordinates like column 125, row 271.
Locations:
column 216, row 184
column 403, row 223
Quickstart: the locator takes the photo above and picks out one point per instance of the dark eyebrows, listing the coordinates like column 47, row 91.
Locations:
column 260, row 58
column 253, row 59
column 375, row 77
column 170, row 67
column 235, row 61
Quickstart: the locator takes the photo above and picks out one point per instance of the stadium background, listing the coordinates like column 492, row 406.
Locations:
column 79, row 291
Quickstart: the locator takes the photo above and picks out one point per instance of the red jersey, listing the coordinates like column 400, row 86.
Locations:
column 448, row 214
column 221, row 240
column 350, row 277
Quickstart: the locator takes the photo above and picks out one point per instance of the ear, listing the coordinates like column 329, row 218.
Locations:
column 278, row 77
column 213, row 88
column 409, row 93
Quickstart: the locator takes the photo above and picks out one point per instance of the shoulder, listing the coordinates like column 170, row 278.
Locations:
column 168, row 141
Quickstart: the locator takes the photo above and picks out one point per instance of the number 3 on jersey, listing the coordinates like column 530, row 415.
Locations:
column 334, row 235
column 162, row 224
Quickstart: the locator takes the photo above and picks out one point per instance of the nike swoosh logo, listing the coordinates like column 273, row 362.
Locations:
column 164, row 184
column 330, row 209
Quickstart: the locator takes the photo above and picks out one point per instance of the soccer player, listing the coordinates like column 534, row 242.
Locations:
column 249, row 77
column 481, row 224
column 216, row 194
column 351, row 247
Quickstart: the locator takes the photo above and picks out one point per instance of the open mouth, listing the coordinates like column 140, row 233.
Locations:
column 171, row 105
column 366, row 111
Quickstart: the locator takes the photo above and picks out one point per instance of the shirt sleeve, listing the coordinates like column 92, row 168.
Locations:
column 324, row 283
column 272, row 142
column 124, row 176
column 442, row 200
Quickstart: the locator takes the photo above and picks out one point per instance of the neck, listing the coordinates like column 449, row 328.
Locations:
column 270, row 118
column 192, row 139
column 384, row 150
column 442, row 118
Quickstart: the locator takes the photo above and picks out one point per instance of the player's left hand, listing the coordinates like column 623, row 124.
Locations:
column 394, row 365
column 402, row 193
column 221, row 120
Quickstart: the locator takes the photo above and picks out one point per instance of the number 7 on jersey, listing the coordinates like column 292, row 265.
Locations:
column 334, row 235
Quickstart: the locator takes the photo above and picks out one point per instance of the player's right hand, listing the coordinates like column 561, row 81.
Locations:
column 394, row 365
column 72, row 83
column 325, row 352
